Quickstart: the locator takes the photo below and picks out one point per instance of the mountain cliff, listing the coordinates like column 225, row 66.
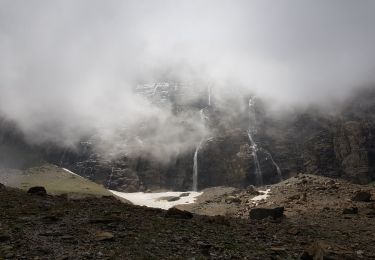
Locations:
column 239, row 147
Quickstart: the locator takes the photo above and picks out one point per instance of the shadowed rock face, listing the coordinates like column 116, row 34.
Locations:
column 309, row 141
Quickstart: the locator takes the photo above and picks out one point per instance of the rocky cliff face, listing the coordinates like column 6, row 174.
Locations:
column 342, row 145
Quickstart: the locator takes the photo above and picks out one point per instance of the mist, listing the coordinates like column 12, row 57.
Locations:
column 69, row 69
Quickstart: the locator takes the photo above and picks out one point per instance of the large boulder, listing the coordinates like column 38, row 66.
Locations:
column 178, row 214
column 362, row 196
column 37, row 190
column 262, row 213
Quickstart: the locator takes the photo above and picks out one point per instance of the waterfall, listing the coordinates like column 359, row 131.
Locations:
column 195, row 166
column 252, row 129
column 275, row 164
column 62, row 158
column 209, row 95
column 258, row 171
column 204, row 117
column 110, row 178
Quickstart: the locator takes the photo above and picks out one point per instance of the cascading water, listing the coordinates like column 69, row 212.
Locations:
column 110, row 178
column 204, row 117
column 279, row 174
column 195, row 166
column 258, row 171
column 254, row 146
column 62, row 158
column 252, row 129
column 209, row 95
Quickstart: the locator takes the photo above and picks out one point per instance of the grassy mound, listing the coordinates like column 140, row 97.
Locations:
column 56, row 181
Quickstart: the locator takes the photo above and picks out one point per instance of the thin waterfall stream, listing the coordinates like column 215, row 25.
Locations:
column 279, row 174
column 251, row 130
column 204, row 117
column 254, row 146
column 195, row 166
column 258, row 171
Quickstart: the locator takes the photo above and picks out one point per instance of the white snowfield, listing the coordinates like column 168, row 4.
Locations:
column 158, row 199
column 69, row 171
column 263, row 196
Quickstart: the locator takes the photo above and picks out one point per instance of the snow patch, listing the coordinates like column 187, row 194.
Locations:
column 158, row 199
column 265, row 194
column 69, row 171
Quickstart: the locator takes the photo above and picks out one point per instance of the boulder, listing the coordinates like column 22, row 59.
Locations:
column 232, row 199
column 351, row 210
column 169, row 198
column 252, row 190
column 313, row 252
column 179, row 214
column 104, row 236
column 362, row 196
column 37, row 190
column 262, row 213
column 4, row 237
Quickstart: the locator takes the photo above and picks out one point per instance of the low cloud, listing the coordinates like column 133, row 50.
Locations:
column 69, row 69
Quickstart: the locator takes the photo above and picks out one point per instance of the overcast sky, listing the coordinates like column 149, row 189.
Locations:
column 67, row 67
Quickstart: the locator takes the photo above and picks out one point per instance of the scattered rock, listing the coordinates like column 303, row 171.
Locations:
column 293, row 231
column 51, row 218
column 232, row 199
column 169, row 198
column 37, row 190
column 252, row 190
column 304, row 197
column 179, row 214
column 362, row 196
column 313, row 252
column 104, row 236
column 330, row 182
column 101, row 220
column 204, row 247
column 294, row 197
column 185, row 194
column 262, row 213
column 351, row 210
column 4, row 237
column 173, row 199
column 278, row 250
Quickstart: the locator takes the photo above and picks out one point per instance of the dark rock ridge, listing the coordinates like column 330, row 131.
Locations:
column 312, row 141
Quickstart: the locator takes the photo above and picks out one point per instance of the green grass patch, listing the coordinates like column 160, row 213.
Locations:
column 56, row 181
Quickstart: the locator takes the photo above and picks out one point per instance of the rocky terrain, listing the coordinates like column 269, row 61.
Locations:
column 322, row 218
